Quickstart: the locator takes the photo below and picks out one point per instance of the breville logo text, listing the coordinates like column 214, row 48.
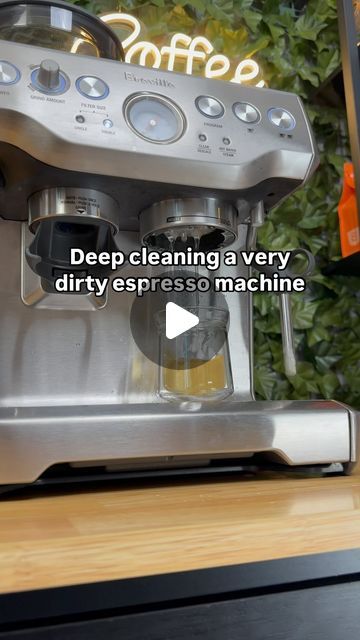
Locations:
column 155, row 82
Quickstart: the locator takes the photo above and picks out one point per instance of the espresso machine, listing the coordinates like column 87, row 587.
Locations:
column 103, row 155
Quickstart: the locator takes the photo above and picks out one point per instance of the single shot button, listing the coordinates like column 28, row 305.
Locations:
column 246, row 112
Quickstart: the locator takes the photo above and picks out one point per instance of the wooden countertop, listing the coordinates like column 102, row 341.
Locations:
column 50, row 539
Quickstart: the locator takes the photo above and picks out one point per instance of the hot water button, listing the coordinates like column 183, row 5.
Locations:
column 92, row 87
column 9, row 74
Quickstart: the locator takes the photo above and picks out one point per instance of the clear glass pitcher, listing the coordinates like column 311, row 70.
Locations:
column 195, row 366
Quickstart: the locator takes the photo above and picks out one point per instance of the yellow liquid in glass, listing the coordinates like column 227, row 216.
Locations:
column 199, row 381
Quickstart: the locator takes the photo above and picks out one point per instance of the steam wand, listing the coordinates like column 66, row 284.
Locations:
column 286, row 323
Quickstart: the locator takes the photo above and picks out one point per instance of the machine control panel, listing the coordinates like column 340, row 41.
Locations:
column 108, row 117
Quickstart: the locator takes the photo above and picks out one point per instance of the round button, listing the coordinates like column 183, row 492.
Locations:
column 92, row 87
column 226, row 141
column 281, row 118
column 107, row 123
column 246, row 112
column 154, row 118
column 9, row 74
column 209, row 107
column 187, row 350
column 202, row 137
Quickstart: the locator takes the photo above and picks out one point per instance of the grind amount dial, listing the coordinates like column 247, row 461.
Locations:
column 48, row 78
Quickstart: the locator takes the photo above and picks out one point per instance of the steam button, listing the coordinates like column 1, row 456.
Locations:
column 49, row 75
column 92, row 87
column 281, row 118
column 246, row 112
column 209, row 107
column 9, row 74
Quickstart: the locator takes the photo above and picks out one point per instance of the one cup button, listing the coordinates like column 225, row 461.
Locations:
column 246, row 112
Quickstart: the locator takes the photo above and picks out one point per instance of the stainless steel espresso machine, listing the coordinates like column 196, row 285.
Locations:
column 103, row 155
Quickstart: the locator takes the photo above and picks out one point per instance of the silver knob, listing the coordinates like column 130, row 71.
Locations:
column 209, row 107
column 49, row 74
column 9, row 74
column 246, row 112
column 92, row 87
column 281, row 118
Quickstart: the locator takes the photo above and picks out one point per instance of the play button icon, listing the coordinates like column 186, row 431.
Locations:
column 190, row 327
column 178, row 320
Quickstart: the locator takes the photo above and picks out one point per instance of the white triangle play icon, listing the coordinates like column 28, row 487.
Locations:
column 178, row 320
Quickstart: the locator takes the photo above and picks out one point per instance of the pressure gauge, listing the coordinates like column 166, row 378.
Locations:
column 154, row 118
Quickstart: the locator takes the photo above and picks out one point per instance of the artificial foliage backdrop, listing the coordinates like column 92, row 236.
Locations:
column 297, row 50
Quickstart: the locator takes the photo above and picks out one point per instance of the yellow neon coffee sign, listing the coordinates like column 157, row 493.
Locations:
column 182, row 48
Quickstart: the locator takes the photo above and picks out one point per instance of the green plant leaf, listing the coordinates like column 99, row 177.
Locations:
column 303, row 313
column 265, row 381
column 328, row 383
column 252, row 19
column 317, row 334
column 308, row 27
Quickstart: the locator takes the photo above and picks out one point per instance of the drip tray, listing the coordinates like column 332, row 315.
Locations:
column 132, row 438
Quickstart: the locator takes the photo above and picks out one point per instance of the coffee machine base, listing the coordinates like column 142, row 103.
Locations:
column 147, row 438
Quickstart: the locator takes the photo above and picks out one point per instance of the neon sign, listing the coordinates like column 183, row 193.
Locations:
column 182, row 48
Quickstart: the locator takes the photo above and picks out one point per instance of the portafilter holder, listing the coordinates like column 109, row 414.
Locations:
column 66, row 218
column 200, row 223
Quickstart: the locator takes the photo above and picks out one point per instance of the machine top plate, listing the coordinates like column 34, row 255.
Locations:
column 110, row 118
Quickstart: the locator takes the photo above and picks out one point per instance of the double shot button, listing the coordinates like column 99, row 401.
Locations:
column 281, row 118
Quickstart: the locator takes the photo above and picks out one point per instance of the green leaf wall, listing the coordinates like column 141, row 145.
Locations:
column 299, row 52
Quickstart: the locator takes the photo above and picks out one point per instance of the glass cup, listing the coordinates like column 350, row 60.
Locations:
column 195, row 366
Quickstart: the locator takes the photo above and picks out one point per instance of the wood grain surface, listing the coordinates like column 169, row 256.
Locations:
column 50, row 539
